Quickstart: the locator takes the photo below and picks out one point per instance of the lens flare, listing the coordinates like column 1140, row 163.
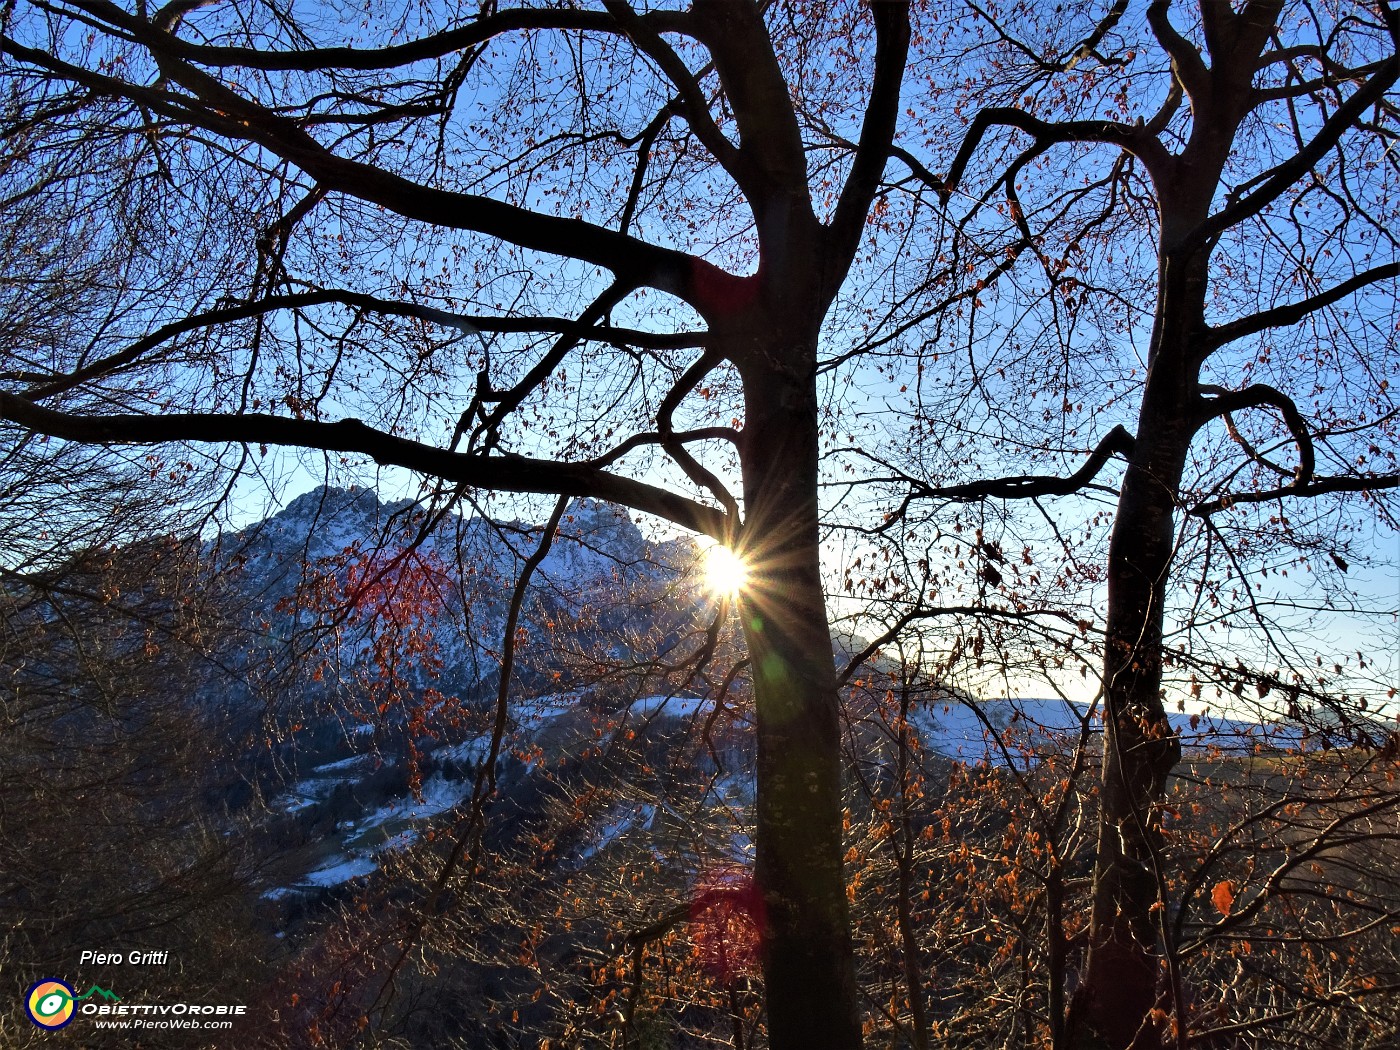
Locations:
column 725, row 572
column 727, row 922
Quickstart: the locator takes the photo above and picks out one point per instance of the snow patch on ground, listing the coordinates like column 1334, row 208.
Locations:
column 735, row 789
column 353, row 867
column 622, row 820
column 468, row 753
column 533, row 713
column 741, row 847
column 669, row 706
column 306, row 793
column 439, row 795
column 322, row 783
column 344, row 765
column 401, row 841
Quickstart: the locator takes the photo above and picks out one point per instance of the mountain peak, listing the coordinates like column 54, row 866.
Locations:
column 602, row 524
column 326, row 501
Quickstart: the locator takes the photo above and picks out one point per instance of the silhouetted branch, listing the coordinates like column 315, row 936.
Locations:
column 45, row 387
column 1117, row 440
column 1224, row 402
column 1316, row 487
column 504, row 473
column 1292, row 313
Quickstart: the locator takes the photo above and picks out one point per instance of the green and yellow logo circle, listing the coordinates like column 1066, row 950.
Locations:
column 49, row 1003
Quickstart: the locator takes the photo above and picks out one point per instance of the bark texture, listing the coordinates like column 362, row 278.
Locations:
column 808, row 963
column 1127, row 992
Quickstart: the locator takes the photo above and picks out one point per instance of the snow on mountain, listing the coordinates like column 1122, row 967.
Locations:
column 668, row 706
column 597, row 545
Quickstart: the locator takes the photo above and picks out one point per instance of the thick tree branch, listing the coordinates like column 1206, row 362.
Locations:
column 1248, row 33
column 502, row 473
column 1170, row 105
column 693, row 105
column 1224, row 402
column 1344, row 118
column 507, row 401
column 1134, row 140
column 1335, row 76
column 876, row 133
column 435, row 46
column 1117, row 440
column 1072, row 57
column 1252, row 452
column 645, row 141
column 1292, row 313
column 1090, row 44
column 915, row 165
column 228, row 113
column 675, row 447
column 769, row 135
column 1187, row 66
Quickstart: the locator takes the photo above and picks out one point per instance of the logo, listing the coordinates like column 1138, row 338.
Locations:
column 49, row 1003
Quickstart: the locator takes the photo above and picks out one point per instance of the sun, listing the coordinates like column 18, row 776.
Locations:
column 725, row 572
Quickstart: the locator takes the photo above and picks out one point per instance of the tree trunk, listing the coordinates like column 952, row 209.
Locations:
column 808, row 966
column 1121, row 987
column 904, row 861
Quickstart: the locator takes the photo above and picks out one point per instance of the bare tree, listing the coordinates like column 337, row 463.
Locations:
column 1232, row 207
column 396, row 172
